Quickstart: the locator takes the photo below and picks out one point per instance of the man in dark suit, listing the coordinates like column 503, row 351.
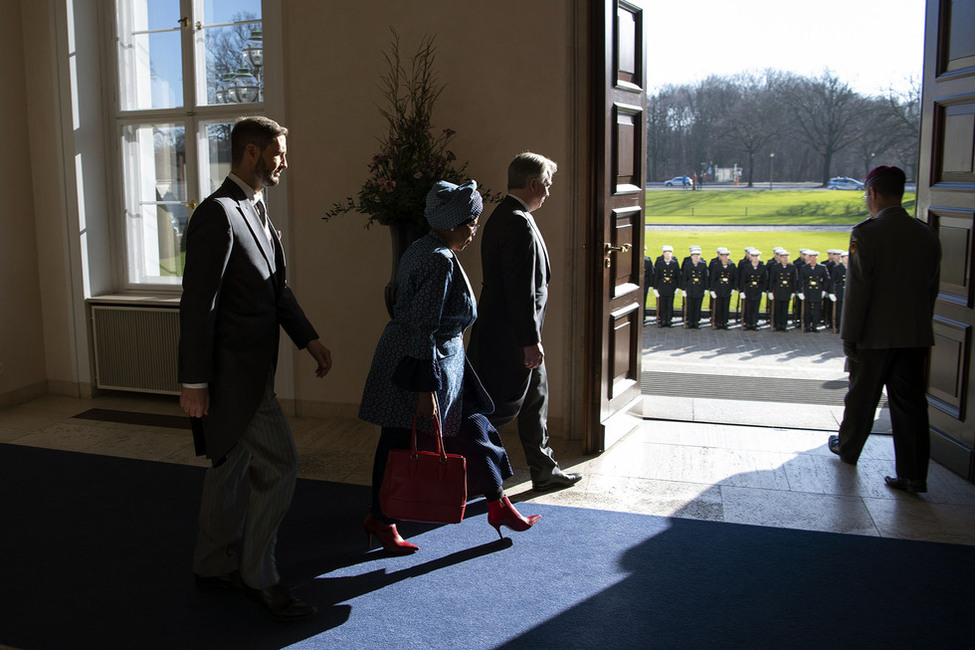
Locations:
column 506, row 340
column 235, row 300
column 887, row 329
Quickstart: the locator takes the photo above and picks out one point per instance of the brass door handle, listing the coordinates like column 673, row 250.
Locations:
column 609, row 248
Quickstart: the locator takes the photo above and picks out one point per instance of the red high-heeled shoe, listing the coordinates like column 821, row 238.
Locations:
column 503, row 513
column 388, row 536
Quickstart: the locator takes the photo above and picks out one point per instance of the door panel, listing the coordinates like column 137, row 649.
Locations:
column 619, row 173
column 946, row 200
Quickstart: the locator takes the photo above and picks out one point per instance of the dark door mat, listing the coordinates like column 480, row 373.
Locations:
column 132, row 417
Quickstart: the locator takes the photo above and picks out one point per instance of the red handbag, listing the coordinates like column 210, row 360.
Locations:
column 424, row 486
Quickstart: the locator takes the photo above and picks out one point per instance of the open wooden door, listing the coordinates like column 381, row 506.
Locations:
column 616, row 228
column 946, row 199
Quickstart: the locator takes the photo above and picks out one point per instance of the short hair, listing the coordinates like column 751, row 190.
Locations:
column 257, row 130
column 527, row 166
column 887, row 181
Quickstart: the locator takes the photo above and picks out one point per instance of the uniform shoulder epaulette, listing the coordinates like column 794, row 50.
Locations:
column 863, row 223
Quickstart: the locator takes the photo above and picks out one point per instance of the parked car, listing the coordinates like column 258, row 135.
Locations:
column 682, row 181
column 844, row 183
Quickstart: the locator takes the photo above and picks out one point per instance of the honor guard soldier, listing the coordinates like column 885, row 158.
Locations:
column 838, row 284
column 832, row 255
column 687, row 260
column 647, row 283
column 723, row 278
column 752, row 282
column 813, row 287
column 666, row 284
column 781, row 290
column 694, row 284
column 797, row 304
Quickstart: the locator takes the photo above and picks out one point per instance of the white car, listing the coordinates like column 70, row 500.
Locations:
column 678, row 181
column 844, row 183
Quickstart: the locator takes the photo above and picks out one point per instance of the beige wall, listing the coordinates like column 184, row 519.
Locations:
column 507, row 74
column 508, row 71
column 21, row 338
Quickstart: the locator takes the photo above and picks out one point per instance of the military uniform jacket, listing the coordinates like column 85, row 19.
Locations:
column 813, row 281
column 890, row 304
column 695, row 279
column 782, row 280
column 666, row 277
column 753, row 281
column 837, row 281
column 724, row 279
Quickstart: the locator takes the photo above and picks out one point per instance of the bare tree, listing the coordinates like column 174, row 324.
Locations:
column 754, row 120
column 824, row 111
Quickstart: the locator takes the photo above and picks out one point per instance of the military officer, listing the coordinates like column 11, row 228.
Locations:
column 666, row 285
column 813, row 287
column 781, row 290
column 723, row 278
column 694, row 283
column 752, row 282
column 838, row 284
column 832, row 254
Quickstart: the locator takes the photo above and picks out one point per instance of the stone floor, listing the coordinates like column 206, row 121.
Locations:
column 758, row 475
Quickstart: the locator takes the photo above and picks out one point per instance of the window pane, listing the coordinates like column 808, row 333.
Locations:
column 154, row 167
column 216, row 144
column 150, row 59
column 230, row 53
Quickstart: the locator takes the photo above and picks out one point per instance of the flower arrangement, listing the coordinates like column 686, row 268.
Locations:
column 411, row 157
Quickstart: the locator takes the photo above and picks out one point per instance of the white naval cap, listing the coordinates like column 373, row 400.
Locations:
column 811, row 253
column 666, row 249
column 844, row 253
column 783, row 252
column 754, row 251
column 721, row 250
column 804, row 251
column 778, row 250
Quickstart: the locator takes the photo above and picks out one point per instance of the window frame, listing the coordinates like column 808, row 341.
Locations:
column 191, row 116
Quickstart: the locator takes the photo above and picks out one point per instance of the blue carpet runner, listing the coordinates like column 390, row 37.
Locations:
column 95, row 553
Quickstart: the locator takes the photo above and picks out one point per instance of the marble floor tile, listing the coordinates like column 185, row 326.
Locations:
column 148, row 443
column 916, row 518
column 781, row 509
column 68, row 435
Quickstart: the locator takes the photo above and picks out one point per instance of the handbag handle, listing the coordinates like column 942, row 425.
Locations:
column 436, row 430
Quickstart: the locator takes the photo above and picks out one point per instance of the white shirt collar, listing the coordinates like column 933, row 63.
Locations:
column 249, row 192
column 525, row 205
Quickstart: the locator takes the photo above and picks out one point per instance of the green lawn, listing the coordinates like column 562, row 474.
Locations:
column 756, row 207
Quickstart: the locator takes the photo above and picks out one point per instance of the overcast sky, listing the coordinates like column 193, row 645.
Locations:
column 870, row 44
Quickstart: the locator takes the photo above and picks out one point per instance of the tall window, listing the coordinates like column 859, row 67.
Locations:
column 186, row 70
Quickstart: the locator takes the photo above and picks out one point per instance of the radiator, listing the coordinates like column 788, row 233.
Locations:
column 136, row 348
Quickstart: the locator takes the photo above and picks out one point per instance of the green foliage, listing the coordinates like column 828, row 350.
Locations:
column 411, row 158
column 757, row 207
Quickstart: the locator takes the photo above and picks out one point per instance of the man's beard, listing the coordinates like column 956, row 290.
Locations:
column 262, row 172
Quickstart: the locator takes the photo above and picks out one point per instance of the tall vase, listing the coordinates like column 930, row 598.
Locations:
column 402, row 235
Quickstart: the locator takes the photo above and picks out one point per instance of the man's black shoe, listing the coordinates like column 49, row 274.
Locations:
column 280, row 603
column 557, row 482
column 907, row 484
column 834, row 446
column 230, row 581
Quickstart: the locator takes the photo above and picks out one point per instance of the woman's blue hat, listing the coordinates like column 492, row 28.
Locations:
column 450, row 205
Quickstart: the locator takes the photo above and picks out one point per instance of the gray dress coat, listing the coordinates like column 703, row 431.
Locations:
column 517, row 272
column 422, row 347
column 235, row 301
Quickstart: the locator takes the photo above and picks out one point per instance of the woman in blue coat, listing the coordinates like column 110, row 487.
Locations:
column 420, row 368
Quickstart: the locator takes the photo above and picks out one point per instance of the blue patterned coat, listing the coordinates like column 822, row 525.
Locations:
column 422, row 347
